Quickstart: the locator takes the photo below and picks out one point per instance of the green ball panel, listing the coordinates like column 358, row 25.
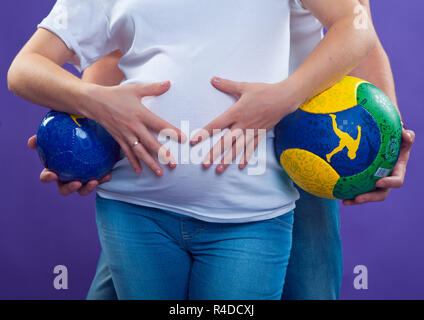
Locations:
column 385, row 114
column 350, row 187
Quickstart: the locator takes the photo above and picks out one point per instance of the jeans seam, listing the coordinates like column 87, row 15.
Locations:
column 184, row 235
column 283, row 223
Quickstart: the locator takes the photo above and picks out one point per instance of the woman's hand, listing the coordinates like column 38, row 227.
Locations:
column 120, row 111
column 259, row 108
column 395, row 180
column 36, row 75
column 65, row 189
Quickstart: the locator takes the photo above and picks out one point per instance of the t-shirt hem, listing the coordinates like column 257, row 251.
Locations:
column 270, row 214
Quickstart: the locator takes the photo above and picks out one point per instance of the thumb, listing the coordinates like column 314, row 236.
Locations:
column 228, row 86
column 151, row 89
column 47, row 176
column 408, row 137
column 32, row 142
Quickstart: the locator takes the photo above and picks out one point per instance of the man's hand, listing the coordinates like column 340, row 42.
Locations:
column 66, row 189
column 395, row 180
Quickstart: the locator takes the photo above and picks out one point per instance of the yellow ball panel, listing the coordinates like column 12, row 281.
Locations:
column 310, row 172
column 339, row 97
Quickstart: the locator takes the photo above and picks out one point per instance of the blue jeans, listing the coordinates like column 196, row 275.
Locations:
column 316, row 262
column 157, row 254
column 315, row 265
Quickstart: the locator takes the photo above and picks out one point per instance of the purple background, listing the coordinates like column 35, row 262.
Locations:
column 39, row 229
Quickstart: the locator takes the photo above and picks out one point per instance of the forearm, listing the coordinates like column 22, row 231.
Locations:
column 43, row 82
column 341, row 50
column 36, row 74
column 376, row 69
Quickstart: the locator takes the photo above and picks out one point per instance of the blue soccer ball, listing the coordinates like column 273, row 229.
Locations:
column 75, row 147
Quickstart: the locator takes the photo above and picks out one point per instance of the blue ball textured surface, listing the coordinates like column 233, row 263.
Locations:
column 76, row 148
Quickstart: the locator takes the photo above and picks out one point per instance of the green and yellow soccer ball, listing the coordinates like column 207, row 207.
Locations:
column 338, row 144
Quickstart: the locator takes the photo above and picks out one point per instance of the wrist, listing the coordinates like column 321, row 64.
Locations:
column 87, row 98
column 289, row 96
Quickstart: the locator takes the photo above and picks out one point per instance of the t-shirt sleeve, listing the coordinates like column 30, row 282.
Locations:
column 83, row 25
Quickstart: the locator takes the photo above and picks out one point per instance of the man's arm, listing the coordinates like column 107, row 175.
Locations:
column 376, row 69
column 105, row 72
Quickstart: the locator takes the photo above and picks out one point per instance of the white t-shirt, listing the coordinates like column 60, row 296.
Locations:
column 306, row 32
column 188, row 42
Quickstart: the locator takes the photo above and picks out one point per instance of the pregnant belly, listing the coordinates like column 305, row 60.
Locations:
column 190, row 187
